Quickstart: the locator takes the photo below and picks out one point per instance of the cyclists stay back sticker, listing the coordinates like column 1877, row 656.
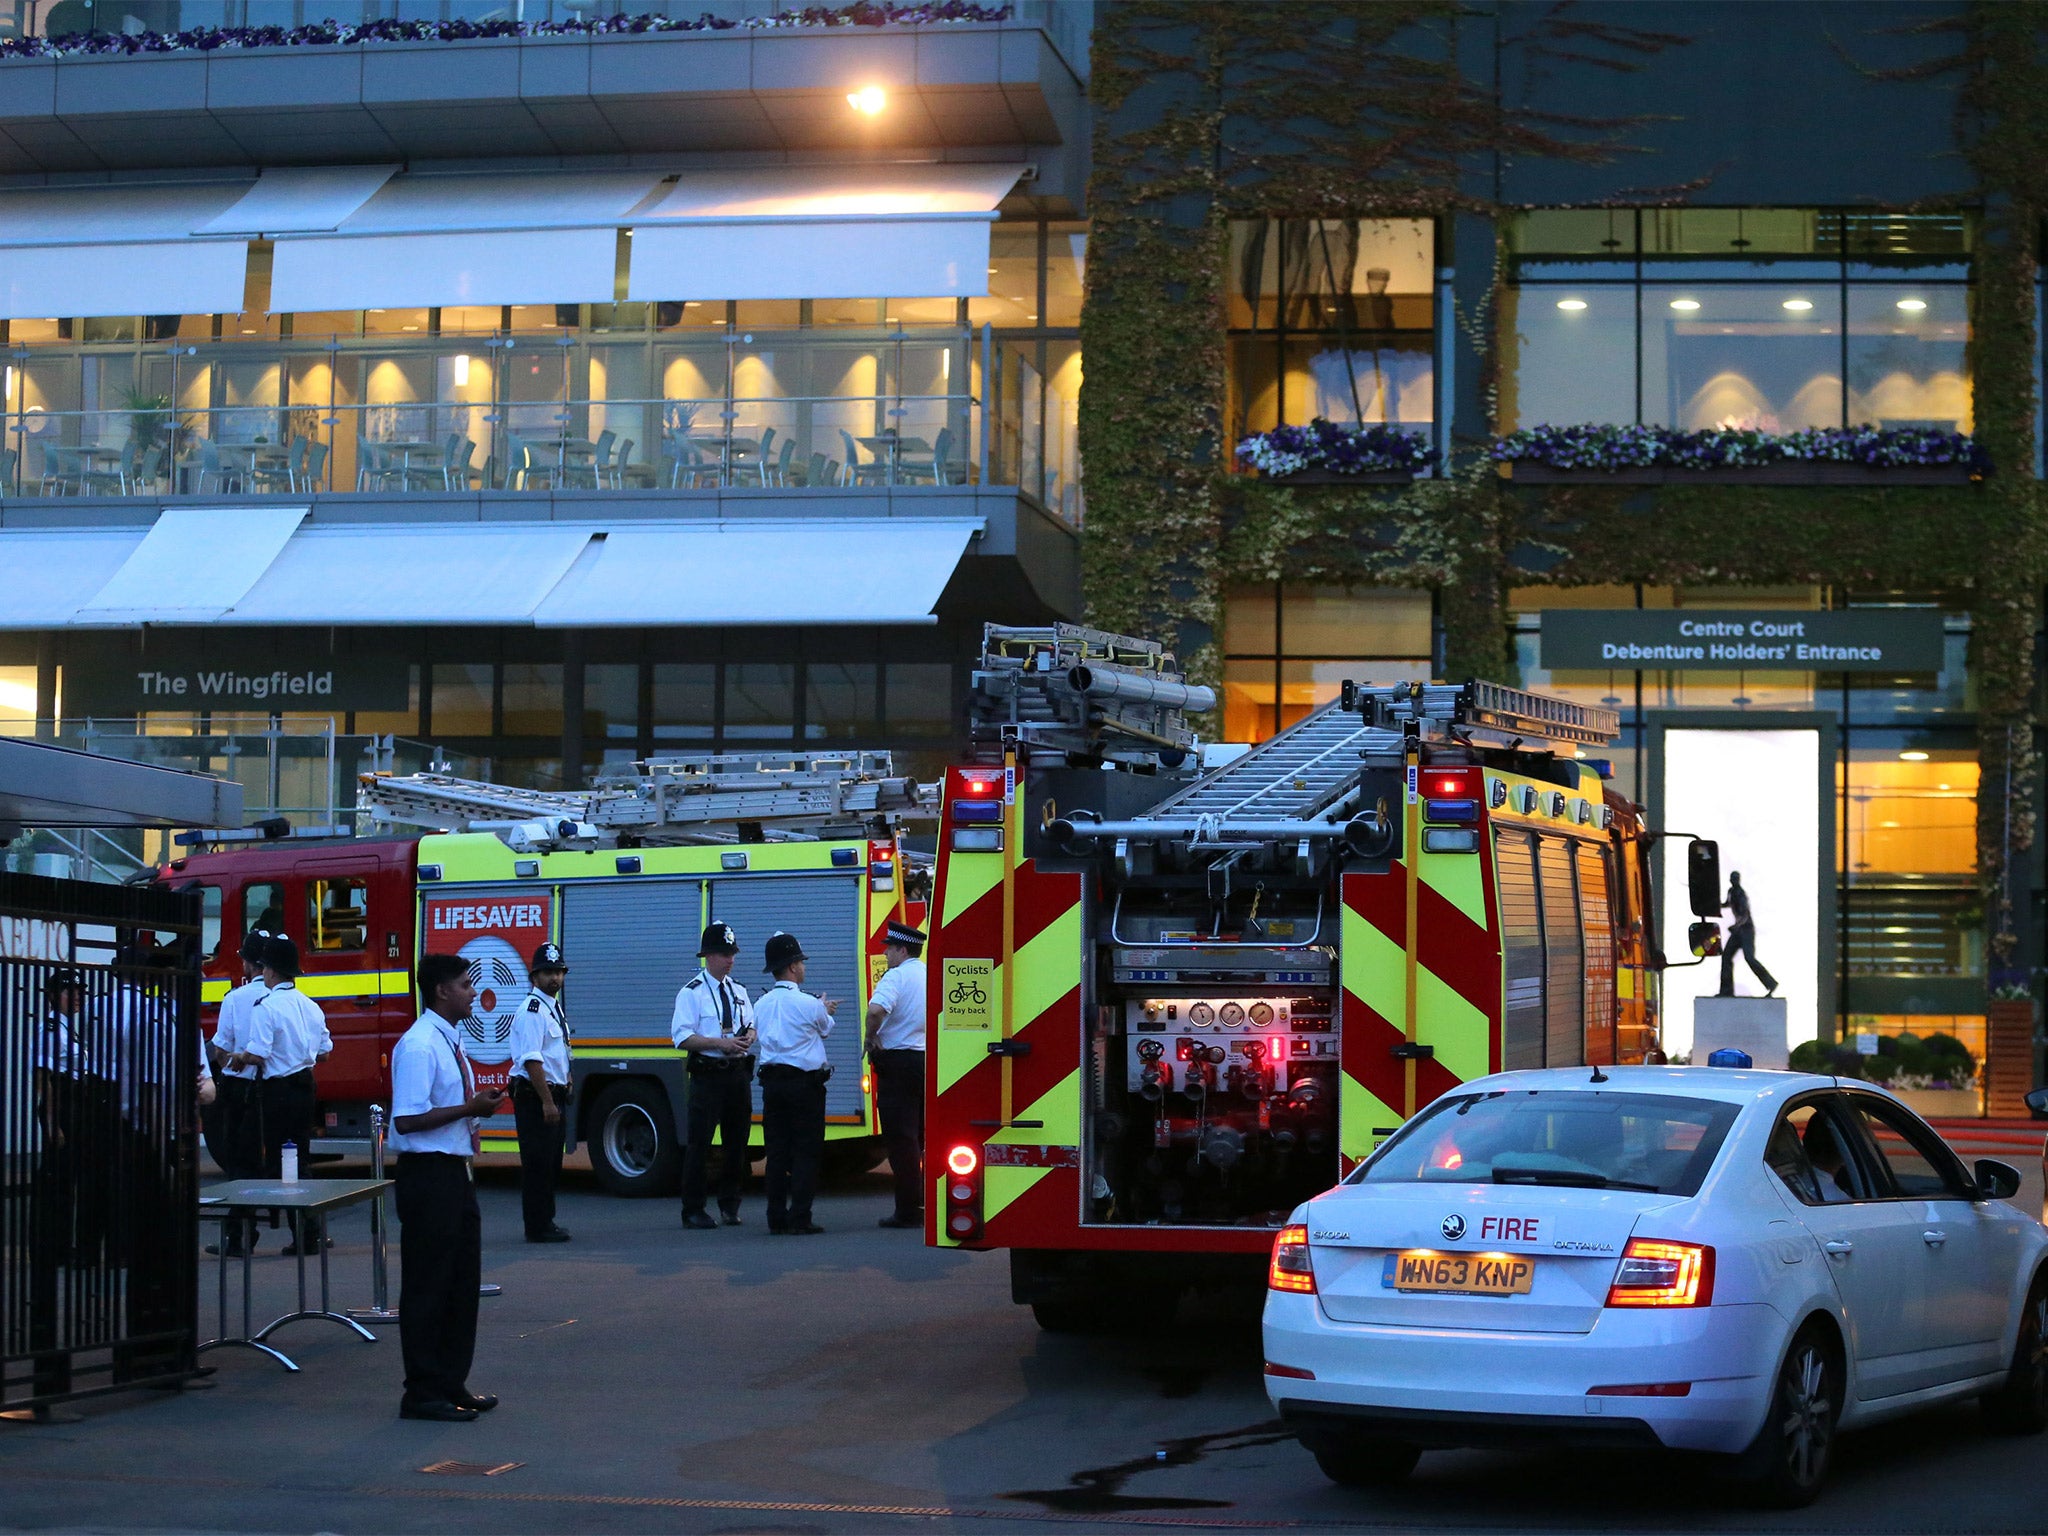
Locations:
column 967, row 995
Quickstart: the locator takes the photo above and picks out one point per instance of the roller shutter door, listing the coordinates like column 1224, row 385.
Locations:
column 1599, row 921
column 823, row 911
column 1521, row 935
column 630, row 947
column 1564, row 995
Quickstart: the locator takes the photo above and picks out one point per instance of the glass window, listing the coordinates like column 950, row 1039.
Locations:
column 1653, row 1142
column 462, row 699
column 1911, row 904
column 1573, row 232
column 760, row 699
column 685, row 701
column 1250, row 692
column 533, row 699
column 611, row 701
column 1907, row 364
column 527, row 772
column 1574, row 353
column 1765, row 357
column 1248, row 618
column 209, row 920
column 1913, row 1162
column 396, row 722
column 1737, row 232
column 337, row 915
column 17, row 701
column 920, row 699
column 262, row 907
column 1361, row 621
column 1012, row 277
column 1805, row 1152
column 1066, row 271
column 385, row 322
column 839, row 700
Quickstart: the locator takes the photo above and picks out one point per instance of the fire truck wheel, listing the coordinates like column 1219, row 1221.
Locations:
column 633, row 1147
column 1357, row 1461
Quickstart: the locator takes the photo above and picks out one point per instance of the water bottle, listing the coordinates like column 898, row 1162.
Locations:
column 290, row 1152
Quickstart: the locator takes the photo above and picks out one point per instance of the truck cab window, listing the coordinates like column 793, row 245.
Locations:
column 337, row 915
column 263, row 907
column 209, row 920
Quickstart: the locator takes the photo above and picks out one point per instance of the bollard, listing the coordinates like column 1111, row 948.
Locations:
column 379, row 1310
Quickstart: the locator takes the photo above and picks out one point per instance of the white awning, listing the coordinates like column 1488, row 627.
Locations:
column 820, row 232
column 299, row 200
column 500, row 237
column 865, row 571
column 194, row 564
column 447, row 573
column 53, row 572
column 123, row 249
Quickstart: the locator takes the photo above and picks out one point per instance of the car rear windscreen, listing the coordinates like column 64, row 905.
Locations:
column 1578, row 1139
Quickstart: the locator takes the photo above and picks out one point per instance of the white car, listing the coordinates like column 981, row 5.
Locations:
column 1739, row 1262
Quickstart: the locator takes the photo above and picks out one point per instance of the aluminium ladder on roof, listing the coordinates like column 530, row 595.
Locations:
column 1299, row 774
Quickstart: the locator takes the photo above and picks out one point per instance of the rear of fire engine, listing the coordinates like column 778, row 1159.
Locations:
column 1169, row 1006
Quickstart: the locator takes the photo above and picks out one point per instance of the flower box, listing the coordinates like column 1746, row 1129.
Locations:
column 1786, row 472
column 1332, row 477
column 1329, row 453
column 1944, row 1103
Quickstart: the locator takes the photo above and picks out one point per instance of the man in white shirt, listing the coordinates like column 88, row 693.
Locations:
column 435, row 1106
column 236, row 1140
column 286, row 1038
column 540, row 1088
column 714, row 1023
column 896, row 1047
column 791, row 1027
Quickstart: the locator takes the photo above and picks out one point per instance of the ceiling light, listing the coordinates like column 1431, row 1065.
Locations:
column 1573, row 305
column 1799, row 305
column 1912, row 757
column 1912, row 306
column 1685, row 304
column 868, row 100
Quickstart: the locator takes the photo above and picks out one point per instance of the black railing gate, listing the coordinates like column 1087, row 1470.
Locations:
column 99, row 1068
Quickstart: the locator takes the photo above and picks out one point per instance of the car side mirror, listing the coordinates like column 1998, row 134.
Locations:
column 2037, row 1101
column 1996, row 1180
column 1703, row 876
column 1703, row 938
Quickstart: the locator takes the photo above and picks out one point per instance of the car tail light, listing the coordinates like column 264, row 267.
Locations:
column 1644, row 1389
column 1656, row 1273
column 1292, row 1372
column 1290, row 1270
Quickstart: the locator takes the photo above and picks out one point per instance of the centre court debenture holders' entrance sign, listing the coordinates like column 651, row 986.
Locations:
column 1732, row 639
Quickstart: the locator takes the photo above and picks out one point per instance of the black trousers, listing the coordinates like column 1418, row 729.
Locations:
column 287, row 1110
column 721, row 1102
column 440, row 1267
column 236, row 1140
column 1742, row 939
column 793, row 1126
column 540, row 1154
column 899, row 1096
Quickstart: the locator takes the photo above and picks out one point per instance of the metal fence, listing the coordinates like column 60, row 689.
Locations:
column 99, row 1063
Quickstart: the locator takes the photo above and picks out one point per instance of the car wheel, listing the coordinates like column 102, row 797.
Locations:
column 1359, row 1461
column 1788, row 1462
column 2020, row 1406
column 632, row 1141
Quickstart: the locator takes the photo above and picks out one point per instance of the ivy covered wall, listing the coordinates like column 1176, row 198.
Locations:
column 1210, row 111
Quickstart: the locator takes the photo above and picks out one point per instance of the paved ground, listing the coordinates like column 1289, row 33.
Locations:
column 659, row 1380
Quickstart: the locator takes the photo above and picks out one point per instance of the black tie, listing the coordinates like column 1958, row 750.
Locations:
column 725, row 1006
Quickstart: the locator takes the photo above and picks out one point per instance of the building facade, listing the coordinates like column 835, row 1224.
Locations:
column 530, row 387
column 1619, row 303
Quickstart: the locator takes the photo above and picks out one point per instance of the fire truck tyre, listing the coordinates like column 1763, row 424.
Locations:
column 633, row 1147
column 851, row 1158
column 1360, row 1461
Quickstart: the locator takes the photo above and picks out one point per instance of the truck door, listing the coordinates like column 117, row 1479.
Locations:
column 338, row 913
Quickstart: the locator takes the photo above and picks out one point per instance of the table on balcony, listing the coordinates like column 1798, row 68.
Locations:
column 888, row 449
column 733, row 451
column 239, row 461
column 410, row 459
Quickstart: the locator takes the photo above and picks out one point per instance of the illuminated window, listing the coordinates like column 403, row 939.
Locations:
column 337, row 915
column 1289, row 648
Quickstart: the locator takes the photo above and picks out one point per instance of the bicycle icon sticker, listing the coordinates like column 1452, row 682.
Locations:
column 966, row 987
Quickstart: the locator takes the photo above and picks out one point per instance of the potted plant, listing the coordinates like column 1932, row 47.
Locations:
column 1327, row 453
column 1648, row 455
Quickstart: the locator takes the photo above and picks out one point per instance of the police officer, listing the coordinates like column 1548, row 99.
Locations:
column 237, row 1138
column 287, row 1037
column 540, row 1089
column 793, row 1026
column 896, row 1047
column 714, row 1022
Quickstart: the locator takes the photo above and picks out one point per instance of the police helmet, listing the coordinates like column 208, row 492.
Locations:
column 783, row 952
column 908, row 937
column 719, row 939
column 548, row 958
column 281, row 955
column 252, row 946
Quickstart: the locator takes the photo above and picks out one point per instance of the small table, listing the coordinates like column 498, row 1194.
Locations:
column 313, row 1199
column 888, row 450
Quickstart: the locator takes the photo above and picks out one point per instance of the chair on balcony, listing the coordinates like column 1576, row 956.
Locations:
column 580, row 469
column 625, row 472
column 280, row 474
column 601, row 456
column 917, row 463
column 820, row 468
column 10, row 460
column 207, row 453
column 458, row 468
column 874, row 472
column 423, row 469
column 61, row 469
column 149, row 473
column 313, row 473
column 375, row 468
column 778, row 471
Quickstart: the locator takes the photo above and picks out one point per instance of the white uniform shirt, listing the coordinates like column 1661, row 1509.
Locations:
column 793, row 1026
column 231, row 1033
column 900, row 996
column 140, row 1037
column 540, row 1033
column 701, row 1008
column 288, row 1030
column 428, row 1072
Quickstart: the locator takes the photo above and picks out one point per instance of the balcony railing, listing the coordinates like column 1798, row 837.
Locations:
column 500, row 413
